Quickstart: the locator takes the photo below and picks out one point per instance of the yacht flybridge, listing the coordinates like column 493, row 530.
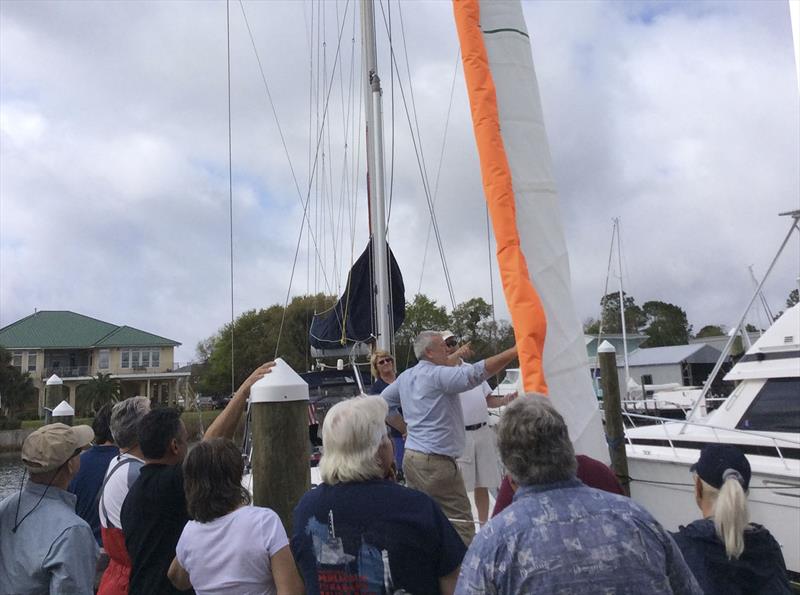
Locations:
column 761, row 416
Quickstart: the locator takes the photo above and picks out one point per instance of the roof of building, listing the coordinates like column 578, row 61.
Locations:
column 52, row 329
column 698, row 353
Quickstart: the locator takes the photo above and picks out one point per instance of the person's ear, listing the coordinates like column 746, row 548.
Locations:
column 174, row 446
column 698, row 489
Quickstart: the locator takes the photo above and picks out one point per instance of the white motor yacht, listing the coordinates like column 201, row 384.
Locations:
column 761, row 416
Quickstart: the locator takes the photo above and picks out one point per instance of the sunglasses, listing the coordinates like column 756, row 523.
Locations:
column 451, row 342
column 385, row 360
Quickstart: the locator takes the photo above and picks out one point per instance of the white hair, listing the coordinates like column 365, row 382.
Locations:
column 125, row 418
column 352, row 432
column 731, row 515
column 423, row 341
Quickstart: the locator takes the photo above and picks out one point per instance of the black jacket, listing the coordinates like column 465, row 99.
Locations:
column 760, row 568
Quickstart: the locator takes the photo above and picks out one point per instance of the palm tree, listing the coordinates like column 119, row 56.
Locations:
column 100, row 390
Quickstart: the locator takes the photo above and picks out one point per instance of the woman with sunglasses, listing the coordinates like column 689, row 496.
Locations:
column 384, row 373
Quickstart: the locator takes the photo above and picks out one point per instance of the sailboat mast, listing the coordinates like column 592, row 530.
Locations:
column 375, row 177
column 622, row 310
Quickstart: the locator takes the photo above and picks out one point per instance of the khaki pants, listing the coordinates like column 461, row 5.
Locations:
column 440, row 478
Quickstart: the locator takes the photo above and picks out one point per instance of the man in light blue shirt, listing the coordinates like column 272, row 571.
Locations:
column 559, row 535
column 429, row 396
column 44, row 546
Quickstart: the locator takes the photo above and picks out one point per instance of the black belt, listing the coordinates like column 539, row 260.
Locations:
column 474, row 426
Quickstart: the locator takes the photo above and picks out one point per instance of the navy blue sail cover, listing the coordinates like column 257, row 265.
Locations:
column 355, row 310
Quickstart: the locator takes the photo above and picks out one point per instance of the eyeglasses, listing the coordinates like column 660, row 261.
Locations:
column 385, row 360
column 451, row 342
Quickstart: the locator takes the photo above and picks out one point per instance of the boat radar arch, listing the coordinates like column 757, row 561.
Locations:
column 281, row 384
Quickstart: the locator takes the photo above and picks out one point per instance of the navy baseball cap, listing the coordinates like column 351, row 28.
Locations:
column 718, row 461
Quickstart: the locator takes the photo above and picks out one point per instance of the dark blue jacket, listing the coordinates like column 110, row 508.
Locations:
column 760, row 568
column 86, row 484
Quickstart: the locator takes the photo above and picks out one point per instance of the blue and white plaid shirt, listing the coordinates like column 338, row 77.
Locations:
column 571, row 539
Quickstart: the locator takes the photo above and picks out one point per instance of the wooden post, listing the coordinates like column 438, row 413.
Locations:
column 612, row 408
column 281, row 447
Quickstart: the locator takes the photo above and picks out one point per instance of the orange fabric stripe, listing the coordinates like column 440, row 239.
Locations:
column 527, row 313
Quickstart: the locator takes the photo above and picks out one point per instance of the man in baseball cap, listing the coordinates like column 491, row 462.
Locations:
column 44, row 545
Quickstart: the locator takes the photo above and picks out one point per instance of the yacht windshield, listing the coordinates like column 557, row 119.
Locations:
column 776, row 408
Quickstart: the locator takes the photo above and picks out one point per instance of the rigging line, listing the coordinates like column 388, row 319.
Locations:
column 280, row 133
column 230, row 185
column 596, row 370
column 411, row 93
column 439, row 169
column 308, row 195
column 425, row 185
column 392, row 126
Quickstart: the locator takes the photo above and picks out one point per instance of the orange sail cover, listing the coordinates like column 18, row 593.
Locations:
column 516, row 170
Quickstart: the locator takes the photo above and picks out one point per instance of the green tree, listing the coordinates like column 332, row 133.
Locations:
column 16, row 389
column 422, row 314
column 255, row 340
column 635, row 318
column 794, row 298
column 101, row 389
column 666, row 324
column 711, row 330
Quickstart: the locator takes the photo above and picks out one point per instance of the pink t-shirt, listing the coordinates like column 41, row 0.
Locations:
column 231, row 554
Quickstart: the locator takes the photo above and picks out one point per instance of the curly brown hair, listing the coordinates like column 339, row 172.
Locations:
column 212, row 480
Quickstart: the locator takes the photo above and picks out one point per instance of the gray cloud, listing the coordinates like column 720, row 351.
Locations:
column 680, row 118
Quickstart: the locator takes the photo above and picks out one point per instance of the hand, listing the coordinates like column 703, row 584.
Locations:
column 465, row 351
column 511, row 396
column 254, row 377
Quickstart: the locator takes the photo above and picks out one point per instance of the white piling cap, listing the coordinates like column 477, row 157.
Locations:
column 606, row 347
column 281, row 384
column 54, row 381
column 63, row 409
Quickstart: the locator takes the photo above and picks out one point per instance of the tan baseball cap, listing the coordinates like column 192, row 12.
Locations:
column 52, row 445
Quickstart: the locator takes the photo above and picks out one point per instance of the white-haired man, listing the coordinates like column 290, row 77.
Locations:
column 44, row 545
column 559, row 535
column 428, row 393
column 479, row 462
column 359, row 532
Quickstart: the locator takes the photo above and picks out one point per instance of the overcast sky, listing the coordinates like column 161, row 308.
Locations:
column 680, row 118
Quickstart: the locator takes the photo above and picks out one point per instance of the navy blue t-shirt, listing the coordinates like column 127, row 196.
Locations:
column 86, row 484
column 364, row 537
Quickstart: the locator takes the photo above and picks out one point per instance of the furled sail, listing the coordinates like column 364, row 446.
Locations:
column 523, row 203
column 352, row 319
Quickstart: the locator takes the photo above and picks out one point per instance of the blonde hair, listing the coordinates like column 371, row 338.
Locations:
column 373, row 361
column 730, row 511
column 352, row 432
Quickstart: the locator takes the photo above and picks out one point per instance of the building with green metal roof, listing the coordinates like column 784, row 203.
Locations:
column 76, row 347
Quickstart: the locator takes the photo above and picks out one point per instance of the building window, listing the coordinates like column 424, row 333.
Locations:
column 775, row 408
column 103, row 359
column 31, row 362
column 16, row 359
column 140, row 358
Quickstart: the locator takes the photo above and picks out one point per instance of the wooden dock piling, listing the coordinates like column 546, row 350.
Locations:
column 612, row 408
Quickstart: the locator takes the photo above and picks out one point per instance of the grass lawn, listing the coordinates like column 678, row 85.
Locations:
column 196, row 421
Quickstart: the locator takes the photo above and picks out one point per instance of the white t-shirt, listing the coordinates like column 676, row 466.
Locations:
column 116, row 489
column 473, row 403
column 232, row 554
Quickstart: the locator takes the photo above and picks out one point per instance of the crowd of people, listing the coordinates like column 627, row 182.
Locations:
column 141, row 512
